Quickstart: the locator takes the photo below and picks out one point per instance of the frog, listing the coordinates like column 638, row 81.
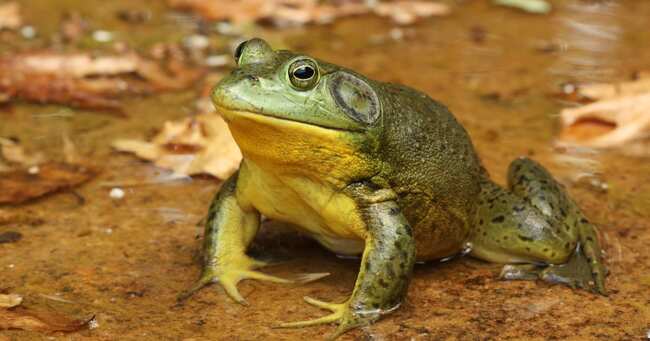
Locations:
column 381, row 171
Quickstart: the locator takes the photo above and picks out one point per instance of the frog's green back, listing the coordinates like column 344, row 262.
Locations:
column 433, row 168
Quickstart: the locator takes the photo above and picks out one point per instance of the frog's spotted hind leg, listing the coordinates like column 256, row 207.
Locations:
column 535, row 222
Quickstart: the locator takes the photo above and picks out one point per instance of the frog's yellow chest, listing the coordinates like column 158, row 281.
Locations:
column 321, row 211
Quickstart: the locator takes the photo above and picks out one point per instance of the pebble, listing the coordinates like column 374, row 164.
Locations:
column 102, row 36
column 116, row 193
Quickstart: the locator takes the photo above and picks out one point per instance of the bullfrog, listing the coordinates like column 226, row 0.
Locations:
column 379, row 170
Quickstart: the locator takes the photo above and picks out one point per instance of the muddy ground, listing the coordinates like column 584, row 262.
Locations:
column 125, row 261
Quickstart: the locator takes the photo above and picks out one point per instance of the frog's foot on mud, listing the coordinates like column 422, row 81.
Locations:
column 341, row 314
column 579, row 271
column 230, row 276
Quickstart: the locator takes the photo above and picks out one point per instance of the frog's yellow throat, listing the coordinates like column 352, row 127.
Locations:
column 296, row 147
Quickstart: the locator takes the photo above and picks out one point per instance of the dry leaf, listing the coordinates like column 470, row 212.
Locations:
column 26, row 218
column 300, row 12
column 85, row 81
column 23, row 319
column 10, row 16
column 196, row 145
column 408, row 12
column 10, row 300
column 619, row 117
column 12, row 152
column 530, row 6
column 20, row 186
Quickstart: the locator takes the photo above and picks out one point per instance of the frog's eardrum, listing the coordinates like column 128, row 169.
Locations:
column 357, row 99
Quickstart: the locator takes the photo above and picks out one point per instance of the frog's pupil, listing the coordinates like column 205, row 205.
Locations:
column 304, row 72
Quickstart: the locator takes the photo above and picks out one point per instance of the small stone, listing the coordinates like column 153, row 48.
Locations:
column 102, row 36
column 196, row 42
column 28, row 32
column 117, row 193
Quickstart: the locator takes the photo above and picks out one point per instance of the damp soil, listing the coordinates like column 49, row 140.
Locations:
column 124, row 261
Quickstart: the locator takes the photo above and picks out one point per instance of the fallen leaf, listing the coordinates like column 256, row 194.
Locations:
column 10, row 237
column 86, row 81
column 619, row 117
column 10, row 300
column 19, row 186
column 26, row 218
column 23, row 319
column 300, row 12
column 197, row 145
column 602, row 91
column 530, row 6
column 10, row 16
column 12, row 152
column 408, row 12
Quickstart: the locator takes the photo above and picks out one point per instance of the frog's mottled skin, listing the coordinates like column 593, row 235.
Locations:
column 381, row 170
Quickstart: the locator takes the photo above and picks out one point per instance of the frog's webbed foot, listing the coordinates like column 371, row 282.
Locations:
column 229, row 276
column 341, row 313
column 581, row 271
column 577, row 272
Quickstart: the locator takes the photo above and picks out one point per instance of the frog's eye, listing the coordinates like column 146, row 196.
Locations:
column 239, row 50
column 303, row 74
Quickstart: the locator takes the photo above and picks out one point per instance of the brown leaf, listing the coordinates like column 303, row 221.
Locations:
column 10, row 16
column 23, row 319
column 20, row 186
column 408, row 12
column 14, row 153
column 300, row 12
column 27, row 218
column 196, row 145
column 620, row 117
column 10, row 300
column 85, row 81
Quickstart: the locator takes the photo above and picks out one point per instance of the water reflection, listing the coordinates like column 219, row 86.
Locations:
column 590, row 33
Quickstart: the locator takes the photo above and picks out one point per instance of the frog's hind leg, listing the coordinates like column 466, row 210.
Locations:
column 535, row 222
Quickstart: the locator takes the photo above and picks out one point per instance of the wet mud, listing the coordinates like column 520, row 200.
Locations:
column 124, row 261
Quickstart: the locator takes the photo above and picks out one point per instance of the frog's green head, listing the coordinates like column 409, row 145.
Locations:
column 293, row 108
column 296, row 87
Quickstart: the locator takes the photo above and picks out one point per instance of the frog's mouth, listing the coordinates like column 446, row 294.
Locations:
column 259, row 116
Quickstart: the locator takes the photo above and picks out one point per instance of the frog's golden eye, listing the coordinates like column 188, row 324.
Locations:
column 303, row 74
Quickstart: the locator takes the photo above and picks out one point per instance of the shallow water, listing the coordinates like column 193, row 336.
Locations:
column 125, row 261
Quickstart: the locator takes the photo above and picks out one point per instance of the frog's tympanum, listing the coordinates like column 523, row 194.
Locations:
column 379, row 170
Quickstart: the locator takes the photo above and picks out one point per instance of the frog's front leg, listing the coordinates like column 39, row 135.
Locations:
column 386, row 265
column 229, row 230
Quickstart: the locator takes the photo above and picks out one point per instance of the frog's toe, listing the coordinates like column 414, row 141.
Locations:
column 207, row 277
column 341, row 314
column 529, row 272
column 579, row 272
column 338, row 310
column 229, row 280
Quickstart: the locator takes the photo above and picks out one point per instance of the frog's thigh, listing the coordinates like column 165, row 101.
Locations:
column 537, row 222
column 509, row 230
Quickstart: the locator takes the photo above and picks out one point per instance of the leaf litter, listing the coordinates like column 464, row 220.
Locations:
column 15, row 316
column 25, row 176
column 10, row 18
column 201, row 144
column 88, row 81
column 301, row 12
column 618, row 117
